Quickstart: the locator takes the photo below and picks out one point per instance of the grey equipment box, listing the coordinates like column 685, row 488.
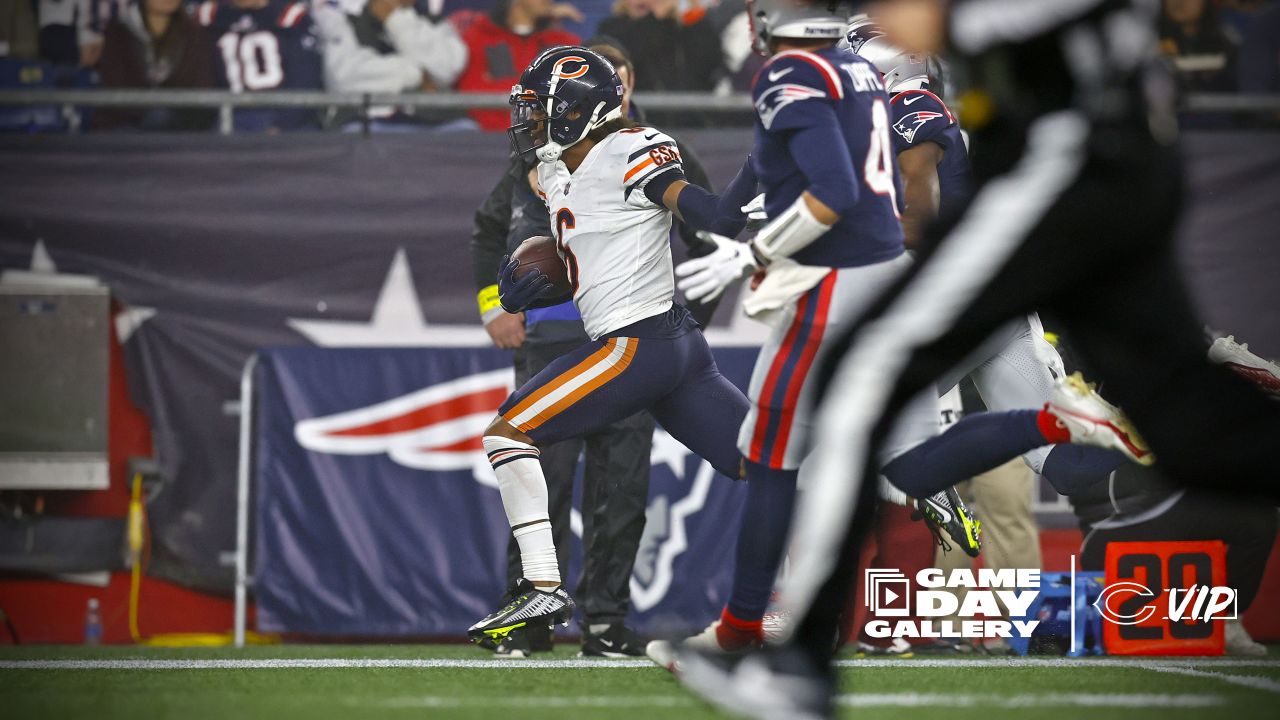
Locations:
column 53, row 387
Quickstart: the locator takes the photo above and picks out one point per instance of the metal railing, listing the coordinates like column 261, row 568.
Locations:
column 363, row 103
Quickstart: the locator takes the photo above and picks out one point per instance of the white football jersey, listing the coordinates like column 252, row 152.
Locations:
column 615, row 241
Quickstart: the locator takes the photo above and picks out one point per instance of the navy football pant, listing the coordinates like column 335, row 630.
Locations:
column 615, row 489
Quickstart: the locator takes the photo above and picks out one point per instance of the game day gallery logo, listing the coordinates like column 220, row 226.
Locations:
column 934, row 611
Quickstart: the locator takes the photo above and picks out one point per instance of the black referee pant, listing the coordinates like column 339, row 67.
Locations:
column 615, row 490
column 1071, row 218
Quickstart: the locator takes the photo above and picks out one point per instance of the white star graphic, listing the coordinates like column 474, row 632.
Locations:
column 44, row 271
column 41, row 261
column 667, row 449
column 397, row 320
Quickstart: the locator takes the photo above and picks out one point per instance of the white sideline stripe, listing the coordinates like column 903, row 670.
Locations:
column 299, row 663
column 1025, row 700
column 1249, row 681
column 1172, row 665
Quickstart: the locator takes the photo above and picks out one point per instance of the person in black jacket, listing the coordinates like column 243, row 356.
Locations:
column 616, row 475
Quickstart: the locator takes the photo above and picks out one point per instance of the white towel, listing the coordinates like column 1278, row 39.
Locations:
column 785, row 282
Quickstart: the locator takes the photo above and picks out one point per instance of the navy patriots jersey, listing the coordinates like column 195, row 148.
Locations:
column 919, row 117
column 274, row 47
column 796, row 90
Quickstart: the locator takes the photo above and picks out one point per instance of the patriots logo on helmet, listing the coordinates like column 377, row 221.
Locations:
column 910, row 124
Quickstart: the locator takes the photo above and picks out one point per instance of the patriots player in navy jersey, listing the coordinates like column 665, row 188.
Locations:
column 824, row 156
column 265, row 45
column 1017, row 367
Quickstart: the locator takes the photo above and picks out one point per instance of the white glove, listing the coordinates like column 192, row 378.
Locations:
column 754, row 210
column 706, row 277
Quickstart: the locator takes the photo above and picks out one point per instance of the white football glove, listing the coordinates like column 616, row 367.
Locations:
column 756, row 216
column 706, row 277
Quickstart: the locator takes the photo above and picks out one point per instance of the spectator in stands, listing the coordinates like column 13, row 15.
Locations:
column 155, row 44
column 501, row 44
column 668, row 54
column 388, row 46
column 18, row 38
column 1192, row 35
column 1238, row 14
column 1260, row 55
column 741, row 62
column 265, row 45
column 71, row 30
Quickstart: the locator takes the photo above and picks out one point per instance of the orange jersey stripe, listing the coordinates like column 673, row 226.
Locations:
column 647, row 162
column 591, row 360
column 586, row 389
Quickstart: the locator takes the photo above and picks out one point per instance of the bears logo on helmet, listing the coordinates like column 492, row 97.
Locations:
column 558, row 68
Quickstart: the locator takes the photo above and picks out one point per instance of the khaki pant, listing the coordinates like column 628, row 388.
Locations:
column 1001, row 499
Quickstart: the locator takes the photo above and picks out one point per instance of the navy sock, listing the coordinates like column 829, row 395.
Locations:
column 762, row 539
column 1072, row 468
column 978, row 443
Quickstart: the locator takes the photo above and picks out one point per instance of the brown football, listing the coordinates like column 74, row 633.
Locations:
column 540, row 252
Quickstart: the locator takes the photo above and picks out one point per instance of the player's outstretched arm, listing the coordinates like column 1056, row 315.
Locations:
column 703, row 210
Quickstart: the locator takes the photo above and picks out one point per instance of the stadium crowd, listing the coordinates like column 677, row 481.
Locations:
column 396, row 46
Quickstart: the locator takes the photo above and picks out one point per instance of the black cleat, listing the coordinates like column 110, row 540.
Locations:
column 514, row 645
column 618, row 641
column 529, row 607
column 946, row 512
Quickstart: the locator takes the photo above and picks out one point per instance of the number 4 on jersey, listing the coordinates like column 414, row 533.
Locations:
column 879, row 166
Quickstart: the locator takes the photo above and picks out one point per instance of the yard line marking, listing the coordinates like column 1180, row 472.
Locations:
column 1249, row 681
column 299, row 663
column 1025, row 700
column 574, row 663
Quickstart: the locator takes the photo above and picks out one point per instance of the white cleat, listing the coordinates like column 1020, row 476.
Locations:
column 1236, row 357
column 1090, row 420
column 665, row 652
column 1238, row 641
column 776, row 624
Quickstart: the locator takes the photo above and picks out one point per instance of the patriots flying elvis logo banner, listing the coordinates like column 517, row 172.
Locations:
column 376, row 512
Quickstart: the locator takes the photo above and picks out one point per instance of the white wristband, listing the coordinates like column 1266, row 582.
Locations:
column 790, row 232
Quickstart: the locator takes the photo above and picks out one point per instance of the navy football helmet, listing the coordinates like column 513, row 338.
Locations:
column 565, row 93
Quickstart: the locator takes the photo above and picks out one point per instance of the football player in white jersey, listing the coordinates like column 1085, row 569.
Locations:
column 611, row 189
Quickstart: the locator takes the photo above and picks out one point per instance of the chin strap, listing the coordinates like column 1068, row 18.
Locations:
column 550, row 152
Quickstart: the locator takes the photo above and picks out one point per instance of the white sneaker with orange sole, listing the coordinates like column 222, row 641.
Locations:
column 1090, row 420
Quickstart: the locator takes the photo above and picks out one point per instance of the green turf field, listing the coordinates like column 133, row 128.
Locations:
column 454, row 681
